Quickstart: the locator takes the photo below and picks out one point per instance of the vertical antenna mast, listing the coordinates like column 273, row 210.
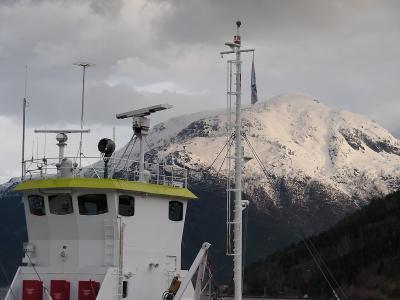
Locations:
column 84, row 65
column 23, row 126
column 238, row 205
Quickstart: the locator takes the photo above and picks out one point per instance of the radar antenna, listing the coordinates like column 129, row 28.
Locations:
column 141, row 126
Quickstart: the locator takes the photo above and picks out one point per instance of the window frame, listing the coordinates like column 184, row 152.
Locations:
column 43, row 208
column 180, row 205
column 134, row 204
column 98, row 212
column 49, row 199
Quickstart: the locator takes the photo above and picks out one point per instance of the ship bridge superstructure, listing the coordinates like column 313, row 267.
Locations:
column 111, row 229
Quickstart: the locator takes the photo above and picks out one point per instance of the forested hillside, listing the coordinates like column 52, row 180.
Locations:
column 362, row 253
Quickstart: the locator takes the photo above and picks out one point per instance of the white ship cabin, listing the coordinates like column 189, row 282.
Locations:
column 83, row 230
column 92, row 238
column 104, row 238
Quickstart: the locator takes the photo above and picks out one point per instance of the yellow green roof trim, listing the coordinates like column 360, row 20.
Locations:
column 101, row 183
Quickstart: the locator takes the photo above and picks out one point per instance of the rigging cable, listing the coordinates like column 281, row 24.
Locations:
column 327, row 268
column 319, row 267
column 263, row 168
column 301, row 235
column 228, row 238
column 18, row 238
column 133, row 139
column 91, row 165
column 129, row 157
column 318, row 261
column 37, row 274
column 223, row 161
column 229, row 141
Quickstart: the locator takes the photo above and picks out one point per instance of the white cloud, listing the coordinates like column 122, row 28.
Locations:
column 10, row 153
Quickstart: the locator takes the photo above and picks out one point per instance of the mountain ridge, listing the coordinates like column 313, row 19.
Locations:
column 296, row 137
column 321, row 165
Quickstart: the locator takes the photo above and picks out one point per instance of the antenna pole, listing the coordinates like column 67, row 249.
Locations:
column 23, row 126
column 82, row 110
column 23, row 138
column 84, row 65
column 238, row 177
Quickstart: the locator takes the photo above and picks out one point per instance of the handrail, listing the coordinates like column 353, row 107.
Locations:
column 158, row 173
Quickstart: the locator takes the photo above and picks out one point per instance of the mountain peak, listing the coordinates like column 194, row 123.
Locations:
column 299, row 140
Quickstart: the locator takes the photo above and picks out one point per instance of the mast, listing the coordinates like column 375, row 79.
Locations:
column 84, row 65
column 23, row 138
column 238, row 232
column 24, row 102
column 238, row 203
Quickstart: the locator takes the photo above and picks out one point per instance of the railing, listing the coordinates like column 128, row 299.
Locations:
column 118, row 168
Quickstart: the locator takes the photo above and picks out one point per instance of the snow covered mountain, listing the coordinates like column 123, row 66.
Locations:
column 308, row 149
column 7, row 186
column 320, row 164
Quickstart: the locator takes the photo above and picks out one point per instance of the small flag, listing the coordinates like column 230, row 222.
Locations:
column 254, row 97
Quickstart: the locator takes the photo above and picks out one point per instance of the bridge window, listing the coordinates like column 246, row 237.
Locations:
column 61, row 204
column 126, row 206
column 92, row 204
column 36, row 205
column 175, row 211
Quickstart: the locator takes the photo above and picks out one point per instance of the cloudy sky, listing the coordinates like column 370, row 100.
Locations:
column 346, row 53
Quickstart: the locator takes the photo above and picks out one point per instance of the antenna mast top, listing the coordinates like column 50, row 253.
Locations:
column 236, row 38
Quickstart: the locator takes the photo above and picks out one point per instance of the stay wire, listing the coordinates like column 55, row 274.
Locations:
column 263, row 168
column 316, row 259
column 301, row 235
column 229, row 141
column 133, row 138
column 33, row 266
column 129, row 155
column 90, row 165
column 318, row 265
column 321, row 264
column 37, row 274
column 328, row 269
column 223, row 161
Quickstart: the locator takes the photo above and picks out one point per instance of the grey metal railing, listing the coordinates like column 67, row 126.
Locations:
column 118, row 168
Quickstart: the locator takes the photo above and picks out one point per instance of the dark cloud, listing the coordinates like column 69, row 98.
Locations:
column 343, row 52
column 107, row 7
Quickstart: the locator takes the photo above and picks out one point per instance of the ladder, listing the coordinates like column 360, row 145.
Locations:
column 109, row 243
column 229, row 161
